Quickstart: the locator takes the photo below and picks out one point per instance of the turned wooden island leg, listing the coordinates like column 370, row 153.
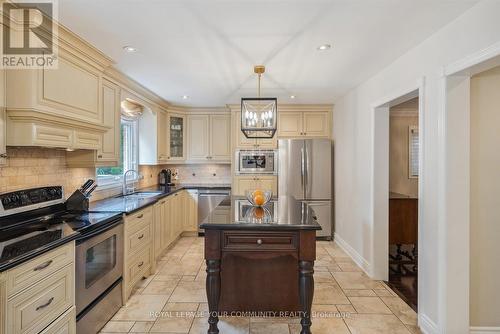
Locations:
column 306, row 292
column 213, row 294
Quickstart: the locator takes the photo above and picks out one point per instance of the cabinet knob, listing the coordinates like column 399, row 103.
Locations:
column 259, row 241
column 141, row 236
column 140, row 264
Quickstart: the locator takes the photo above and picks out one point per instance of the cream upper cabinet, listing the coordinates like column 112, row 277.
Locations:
column 241, row 141
column 316, row 124
column 3, row 149
column 176, row 137
column 162, row 139
column 71, row 91
column 290, row 124
column 220, row 137
column 153, row 136
column 109, row 153
column 303, row 124
column 199, row 144
column 209, row 138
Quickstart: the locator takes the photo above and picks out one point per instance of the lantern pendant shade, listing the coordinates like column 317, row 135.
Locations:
column 259, row 117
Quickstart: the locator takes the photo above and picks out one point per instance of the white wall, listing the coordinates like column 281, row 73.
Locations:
column 475, row 30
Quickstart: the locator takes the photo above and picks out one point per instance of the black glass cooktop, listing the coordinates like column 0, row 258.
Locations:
column 25, row 235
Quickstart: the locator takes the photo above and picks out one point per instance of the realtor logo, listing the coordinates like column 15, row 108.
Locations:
column 29, row 34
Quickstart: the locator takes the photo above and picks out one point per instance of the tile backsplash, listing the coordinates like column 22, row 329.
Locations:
column 30, row 167
column 37, row 167
column 204, row 174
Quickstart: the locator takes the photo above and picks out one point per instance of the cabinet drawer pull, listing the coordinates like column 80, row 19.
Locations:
column 46, row 304
column 162, row 202
column 43, row 265
column 3, row 155
column 100, row 156
column 140, row 264
column 259, row 241
column 140, row 216
column 140, row 237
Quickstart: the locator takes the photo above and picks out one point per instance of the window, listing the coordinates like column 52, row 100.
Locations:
column 413, row 149
column 129, row 155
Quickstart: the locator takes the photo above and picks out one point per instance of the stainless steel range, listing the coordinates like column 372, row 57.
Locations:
column 37, row 220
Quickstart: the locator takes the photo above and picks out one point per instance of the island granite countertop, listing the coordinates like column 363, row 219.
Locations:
column 130, row 205
column 281, row 213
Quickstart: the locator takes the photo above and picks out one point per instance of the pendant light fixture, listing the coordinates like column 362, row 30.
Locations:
column 259, row 114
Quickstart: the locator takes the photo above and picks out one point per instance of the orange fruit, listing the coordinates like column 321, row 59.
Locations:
column 258, row 192
column 259, row 199
column 259, row 213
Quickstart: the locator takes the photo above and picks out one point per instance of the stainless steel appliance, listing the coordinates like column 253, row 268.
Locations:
column 36, row 220
column 256, row 162
column 306, row 174
column 99, row 269
column 208, row 200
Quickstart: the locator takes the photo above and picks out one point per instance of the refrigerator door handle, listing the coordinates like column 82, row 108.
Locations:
column 302, row 167
column 306, row 171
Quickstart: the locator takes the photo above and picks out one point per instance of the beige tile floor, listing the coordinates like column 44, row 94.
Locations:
column 345, row 300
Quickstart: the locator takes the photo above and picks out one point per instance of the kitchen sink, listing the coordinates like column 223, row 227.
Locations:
column 143, row 194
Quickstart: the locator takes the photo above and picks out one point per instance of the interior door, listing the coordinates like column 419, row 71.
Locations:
column 318, row 166
column 291, row 168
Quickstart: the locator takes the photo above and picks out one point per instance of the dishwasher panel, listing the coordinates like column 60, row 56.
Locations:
column 208, row 200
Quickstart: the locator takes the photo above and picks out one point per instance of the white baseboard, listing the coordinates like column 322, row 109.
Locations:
column 485, row 330
column 357, row 258
column 427, row 326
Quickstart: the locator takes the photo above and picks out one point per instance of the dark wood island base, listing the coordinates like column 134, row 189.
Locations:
column 260, row 270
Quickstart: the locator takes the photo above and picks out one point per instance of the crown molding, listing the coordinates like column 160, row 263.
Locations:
column 292, row 107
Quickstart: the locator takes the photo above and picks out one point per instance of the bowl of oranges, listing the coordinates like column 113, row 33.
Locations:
column 259, row 197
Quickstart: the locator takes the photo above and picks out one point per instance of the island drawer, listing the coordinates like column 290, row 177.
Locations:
column 247, row 240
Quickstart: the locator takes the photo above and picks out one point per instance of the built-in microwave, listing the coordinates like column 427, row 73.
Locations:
column 256, row 162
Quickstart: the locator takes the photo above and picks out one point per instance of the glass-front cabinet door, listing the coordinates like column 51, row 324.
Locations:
column 176, row 135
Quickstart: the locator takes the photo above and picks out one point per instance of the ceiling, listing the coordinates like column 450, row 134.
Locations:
column 207, row 49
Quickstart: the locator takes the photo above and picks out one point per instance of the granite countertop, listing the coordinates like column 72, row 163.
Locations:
column 282, row 213
column 130, row 205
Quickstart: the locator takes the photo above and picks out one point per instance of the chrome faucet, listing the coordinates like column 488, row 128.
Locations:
column 126, row 189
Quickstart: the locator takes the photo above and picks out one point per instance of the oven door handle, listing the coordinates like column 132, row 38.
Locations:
column 85, row 237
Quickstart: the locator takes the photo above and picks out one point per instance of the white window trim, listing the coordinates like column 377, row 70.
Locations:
column 118, row 182
column 411, row 130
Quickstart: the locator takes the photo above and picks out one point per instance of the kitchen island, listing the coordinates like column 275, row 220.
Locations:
column 260, row 260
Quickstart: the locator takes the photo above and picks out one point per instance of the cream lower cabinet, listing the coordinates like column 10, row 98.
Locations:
column 243, row 183
column 209, row 138
column 138, row 251
column 191, row 211
column 39, row 296
column 309, row 124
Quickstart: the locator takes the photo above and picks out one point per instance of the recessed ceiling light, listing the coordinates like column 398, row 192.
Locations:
column 129, row 48
column 185, row 97
column 324, row 47
column 292, row 96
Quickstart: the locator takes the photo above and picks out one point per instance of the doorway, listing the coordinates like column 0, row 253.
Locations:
column 395, row 246
column 403, row 200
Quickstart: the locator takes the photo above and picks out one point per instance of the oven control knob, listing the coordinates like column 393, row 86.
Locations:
column 5, row 201
column 58, row 192
column 14, row 198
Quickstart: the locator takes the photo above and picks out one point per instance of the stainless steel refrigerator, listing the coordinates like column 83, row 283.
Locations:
column 305, row 172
